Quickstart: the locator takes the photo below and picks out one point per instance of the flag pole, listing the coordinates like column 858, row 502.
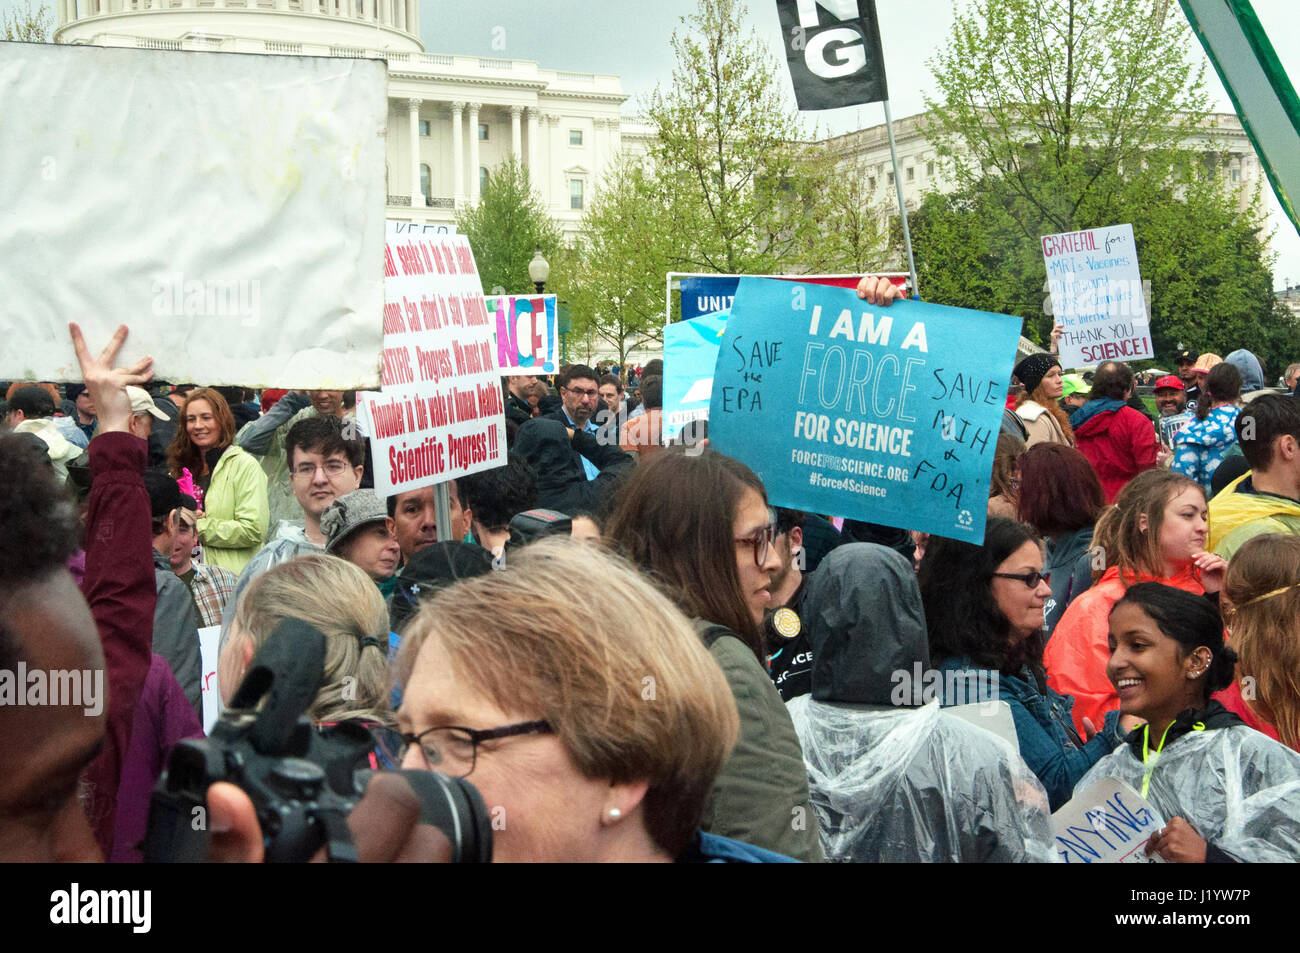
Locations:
column 902, row 209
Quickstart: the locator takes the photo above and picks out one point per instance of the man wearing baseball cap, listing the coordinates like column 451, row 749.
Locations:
column 1074, row 391
column 143, row 413
column 1171, row 396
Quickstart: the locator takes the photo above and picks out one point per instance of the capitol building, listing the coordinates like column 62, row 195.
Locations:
column 452, row 119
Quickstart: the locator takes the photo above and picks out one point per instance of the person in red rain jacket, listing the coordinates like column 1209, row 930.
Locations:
column 1118, row 441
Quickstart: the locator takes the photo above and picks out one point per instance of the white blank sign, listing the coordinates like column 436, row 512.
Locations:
column 228, row 208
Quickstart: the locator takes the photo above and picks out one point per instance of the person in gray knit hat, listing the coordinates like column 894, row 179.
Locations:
column 1040, row 408
column 357, row 528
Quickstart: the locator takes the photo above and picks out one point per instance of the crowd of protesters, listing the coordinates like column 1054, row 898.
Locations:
column 675, row 669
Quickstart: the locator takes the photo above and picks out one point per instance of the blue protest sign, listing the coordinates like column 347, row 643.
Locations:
column 705, row 294
column 888, row 415
column 690, row 354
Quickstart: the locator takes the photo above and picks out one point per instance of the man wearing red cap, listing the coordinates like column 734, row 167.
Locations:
column 1171, row 398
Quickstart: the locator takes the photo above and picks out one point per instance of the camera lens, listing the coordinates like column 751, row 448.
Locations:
column 455, row 807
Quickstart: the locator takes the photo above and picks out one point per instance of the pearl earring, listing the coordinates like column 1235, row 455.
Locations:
column 614, row 814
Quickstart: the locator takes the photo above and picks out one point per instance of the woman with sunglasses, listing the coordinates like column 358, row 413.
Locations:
column 1227, row 793
column 698, row 523
column 1158, row 535
column 984, row 615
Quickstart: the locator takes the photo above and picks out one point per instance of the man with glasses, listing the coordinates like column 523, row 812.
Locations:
column 323, row 465
column 268, row 438
column 580, row 396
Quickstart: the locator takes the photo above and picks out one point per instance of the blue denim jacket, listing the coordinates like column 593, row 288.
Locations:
column 1048, row 742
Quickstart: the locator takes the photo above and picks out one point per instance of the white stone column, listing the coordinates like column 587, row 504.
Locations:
column 401, row 13
column 473, row 153
column 552, row 168
column 598, row 149
column 458, row 151
column 413, row 115
column 516, row 137
column 532, row 146
column 413, row 17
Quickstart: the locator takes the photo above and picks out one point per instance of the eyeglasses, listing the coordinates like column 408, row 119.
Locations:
column 332, row 468
column 761, row 541
column 453, row 749
column 581, row 393
column 1030, row 579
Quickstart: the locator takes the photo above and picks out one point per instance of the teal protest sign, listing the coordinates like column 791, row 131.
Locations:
column 883, row 414
column 690, row 354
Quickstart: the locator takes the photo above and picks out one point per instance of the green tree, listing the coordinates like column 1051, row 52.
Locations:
column 28, row 25
column 1058, row 115
column 505, row 229
column 742, row 190
column 626, row 247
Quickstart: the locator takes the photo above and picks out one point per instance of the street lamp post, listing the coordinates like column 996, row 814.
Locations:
column 539, row 269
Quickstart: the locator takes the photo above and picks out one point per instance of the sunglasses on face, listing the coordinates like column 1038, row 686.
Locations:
column 1030, row 579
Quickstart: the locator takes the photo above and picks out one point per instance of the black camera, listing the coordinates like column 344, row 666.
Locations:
column 303, row 781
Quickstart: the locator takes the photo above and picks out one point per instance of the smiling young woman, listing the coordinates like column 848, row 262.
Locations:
column 1228, row 792
column 234, row 512
column 1157, row 534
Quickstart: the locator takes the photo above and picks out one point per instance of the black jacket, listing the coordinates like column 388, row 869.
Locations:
column 562, row 482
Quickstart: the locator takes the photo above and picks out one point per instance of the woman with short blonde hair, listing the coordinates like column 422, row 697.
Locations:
column 340, row 600
column 578, row 700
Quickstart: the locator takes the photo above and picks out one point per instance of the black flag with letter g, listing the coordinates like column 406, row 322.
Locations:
column 833, row 49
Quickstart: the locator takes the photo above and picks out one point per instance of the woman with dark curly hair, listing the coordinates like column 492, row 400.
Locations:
column 984, row 615
column 1227, row 792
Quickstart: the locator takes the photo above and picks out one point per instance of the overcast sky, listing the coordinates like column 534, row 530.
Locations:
column 630, row 38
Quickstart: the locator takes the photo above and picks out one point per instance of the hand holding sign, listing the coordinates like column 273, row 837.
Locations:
column 1177, row 843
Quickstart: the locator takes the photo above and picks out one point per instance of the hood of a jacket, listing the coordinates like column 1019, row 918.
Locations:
column 1236, row 504
column 865, row 622
column 1252, row 375
column 546, row 446
column 1212, row 716
column 1099, row 413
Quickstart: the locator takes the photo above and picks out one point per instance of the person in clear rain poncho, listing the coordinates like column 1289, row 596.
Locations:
column 900, row 782
column 1227, row 792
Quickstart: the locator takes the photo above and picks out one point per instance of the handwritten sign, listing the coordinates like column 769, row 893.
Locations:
column 1108, row 823
column 527, row 333
column 1097, row 295
column 888, row 415
column 209, row 691
column 690, row 354
column 439, row 414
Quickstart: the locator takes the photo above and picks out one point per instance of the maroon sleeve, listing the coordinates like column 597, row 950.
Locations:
column 1142, row 437
column 119, row 585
